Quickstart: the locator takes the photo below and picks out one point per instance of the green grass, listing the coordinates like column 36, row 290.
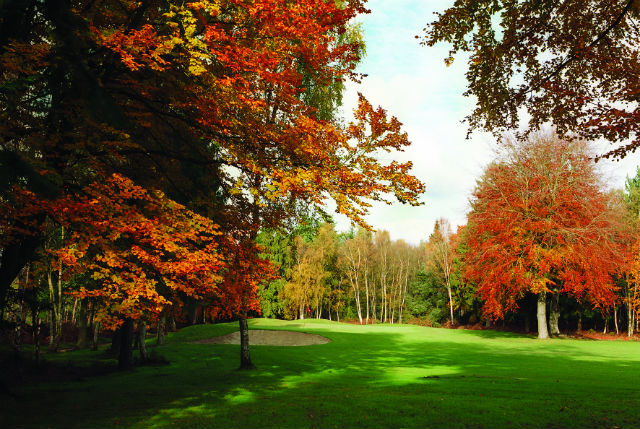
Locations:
column 374, row 376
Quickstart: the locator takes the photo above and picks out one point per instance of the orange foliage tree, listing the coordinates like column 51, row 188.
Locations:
column 204, row 101
column 541, row 223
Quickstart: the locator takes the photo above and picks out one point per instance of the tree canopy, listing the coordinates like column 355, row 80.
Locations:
column 541, row 223
column 572, row 63
column 206, row 103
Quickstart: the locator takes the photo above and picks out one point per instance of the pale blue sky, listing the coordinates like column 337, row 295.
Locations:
column 413, row 84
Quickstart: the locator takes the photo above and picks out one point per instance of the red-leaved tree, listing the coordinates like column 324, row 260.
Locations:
column 214, row 103
column 541, row 223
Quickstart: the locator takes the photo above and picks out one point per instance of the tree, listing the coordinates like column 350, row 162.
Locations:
column 631, row 198
column 202, row 101
column 311, row 275
column 441, row 254
column 177, row 92
column 405, row 261
column 354, row 259
column 238, row 295
column 540, row 223
column 277, row 248
column 426, row 298
column 572, row 63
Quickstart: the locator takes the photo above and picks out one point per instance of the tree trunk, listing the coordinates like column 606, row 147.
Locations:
column 94, row 342
column 52, row 314
column 450, row 302
column 162, row 321
column 366, row 288
column 356, row 294
column 82, row 325
column 629, row 319
column 115, row 342
column 580, row 322
column 543, row 332
column 142, row 335
column 173, row 324
column 19, row 321
column 73, row 312
column 125, row 356
column 35, row 321
column 554, row 314
column 245, row 357
column 615, row 319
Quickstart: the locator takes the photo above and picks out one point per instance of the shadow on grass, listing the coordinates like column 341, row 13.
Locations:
column 391, row 378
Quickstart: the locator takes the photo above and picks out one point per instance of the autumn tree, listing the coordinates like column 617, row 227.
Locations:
column 311, row 277
column 572, row 63
column 540, row 223
column 192, row 87
column 207, row 102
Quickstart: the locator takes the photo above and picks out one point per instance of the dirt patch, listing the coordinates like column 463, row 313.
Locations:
column 258, row 337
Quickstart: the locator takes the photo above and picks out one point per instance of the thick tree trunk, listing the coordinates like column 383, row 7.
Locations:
column 554, row 314
column 94, row 342
column 82, row 325
column 162, row 321
column 245, row 357
column 173, row 326
column 142, row 335
column 115, row 342
column 580, row 322
column 125, row 356
column 543, row 332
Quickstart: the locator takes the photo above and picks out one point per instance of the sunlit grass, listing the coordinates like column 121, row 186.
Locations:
column 368, row 376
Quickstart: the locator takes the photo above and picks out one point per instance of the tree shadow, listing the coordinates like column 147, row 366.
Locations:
column 385, row 378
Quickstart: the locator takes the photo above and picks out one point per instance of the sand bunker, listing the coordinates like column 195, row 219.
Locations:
column 259, row 337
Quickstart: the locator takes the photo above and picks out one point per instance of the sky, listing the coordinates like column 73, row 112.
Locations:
column 412, row 83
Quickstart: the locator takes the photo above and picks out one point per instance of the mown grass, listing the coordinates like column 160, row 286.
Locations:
column 373, row 376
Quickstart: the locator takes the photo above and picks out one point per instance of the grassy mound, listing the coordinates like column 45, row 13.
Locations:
column 375, row 376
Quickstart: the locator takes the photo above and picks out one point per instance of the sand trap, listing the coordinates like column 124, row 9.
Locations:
column 260, row 337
